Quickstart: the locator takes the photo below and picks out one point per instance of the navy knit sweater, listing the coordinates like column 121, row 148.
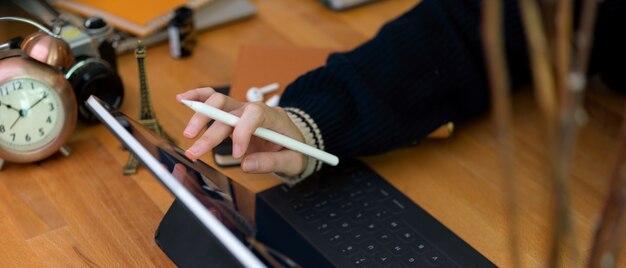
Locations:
column 424, row 69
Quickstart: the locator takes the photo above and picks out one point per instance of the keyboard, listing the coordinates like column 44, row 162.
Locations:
column 349, row 216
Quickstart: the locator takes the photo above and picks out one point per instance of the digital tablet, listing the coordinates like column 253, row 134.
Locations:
column 204, row 191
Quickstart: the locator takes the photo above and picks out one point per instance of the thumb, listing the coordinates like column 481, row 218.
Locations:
column 285, row 162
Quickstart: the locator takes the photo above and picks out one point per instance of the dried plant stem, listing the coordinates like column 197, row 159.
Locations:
column 569, row 123
column 539, row 59
column 609, row 236
column 562, row 51
column 611, row 229
column 544, row 84
column 493, row 40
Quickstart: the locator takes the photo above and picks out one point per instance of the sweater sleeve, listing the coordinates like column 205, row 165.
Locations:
column 420, row 71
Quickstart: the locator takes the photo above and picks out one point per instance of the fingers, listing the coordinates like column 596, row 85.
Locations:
column 251, row 118
column 263, row 156
column 198, row 94
column 198, row 121
column 285, row 162
column 211, row 138
column 179, row 172
column 210, row 97
column 255, row 115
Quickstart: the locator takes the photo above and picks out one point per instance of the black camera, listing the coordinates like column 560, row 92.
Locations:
column 95, row 65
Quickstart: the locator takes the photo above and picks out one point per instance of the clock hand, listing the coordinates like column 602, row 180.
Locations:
column 45, row 95
column 14, row 122
column 10, row 107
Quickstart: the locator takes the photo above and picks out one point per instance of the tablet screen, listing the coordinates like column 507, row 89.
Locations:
column 208, row 186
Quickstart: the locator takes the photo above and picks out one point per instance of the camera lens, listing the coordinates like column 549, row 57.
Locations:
column 94, row 23
column 94, row 76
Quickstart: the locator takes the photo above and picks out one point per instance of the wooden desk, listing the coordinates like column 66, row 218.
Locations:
column 81, row 210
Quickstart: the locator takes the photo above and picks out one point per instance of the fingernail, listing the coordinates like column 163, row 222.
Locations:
column 194, row 150
column 237, row 151
column 189, row 154
column 250, row 164
column 189, row 130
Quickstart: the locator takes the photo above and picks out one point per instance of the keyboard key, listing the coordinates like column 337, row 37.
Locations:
column 419, row 247
column 435, row 258
column 310, row 216
column 346, row 206
column 412, row 261
column 331, row 215
column 368, row 185
column 323, row 227
column 371, row 247
column 347, row 187
column 357, row 235
column 332, row 196
column 396, row 206
column 384, row 238
column 359, row 216
column 335, row 238
column 320, row 205
column 360, row 261
column 397, row 249
column 371, row 227
column 355, row 194
column 407, row 236
column 381, row 214
column 393, row 226
column 349, row 170
column 380, row 194
column 298, row 206
column 310, row 194
column 357, row 176
column 344, row 226
column 347, row 250
column 384, row 258
column 366, row 204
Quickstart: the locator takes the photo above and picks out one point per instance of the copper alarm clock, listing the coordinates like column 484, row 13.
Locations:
column 38, row 110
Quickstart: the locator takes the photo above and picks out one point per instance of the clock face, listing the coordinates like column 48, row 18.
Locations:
column 31, row 114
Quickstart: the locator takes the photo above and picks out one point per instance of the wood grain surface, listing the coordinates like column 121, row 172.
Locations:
column 80, row 211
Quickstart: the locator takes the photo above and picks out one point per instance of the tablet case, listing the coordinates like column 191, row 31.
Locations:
column 187, row 243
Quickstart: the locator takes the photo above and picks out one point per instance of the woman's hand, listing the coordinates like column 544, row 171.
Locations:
column 259, row 155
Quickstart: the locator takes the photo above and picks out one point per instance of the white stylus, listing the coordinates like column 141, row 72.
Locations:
column 264, row 133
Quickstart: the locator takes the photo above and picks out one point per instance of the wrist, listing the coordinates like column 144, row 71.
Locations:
column 312, row 136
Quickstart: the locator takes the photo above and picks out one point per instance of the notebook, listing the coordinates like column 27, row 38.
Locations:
column 213, row 14
column 140, row 18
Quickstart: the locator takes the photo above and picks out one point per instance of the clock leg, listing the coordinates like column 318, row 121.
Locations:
column 65, row 150
column 1, row 164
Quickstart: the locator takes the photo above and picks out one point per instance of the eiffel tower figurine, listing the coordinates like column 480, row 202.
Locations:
column 147, row 117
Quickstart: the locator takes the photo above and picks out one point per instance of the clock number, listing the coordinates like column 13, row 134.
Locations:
column 27, row 138
column 13, row 136
column 51, row 106
column 49, row 120
column 4, row 91
column 32, row 85
column 41, row 133
column 19, row 85
column 2, row 129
